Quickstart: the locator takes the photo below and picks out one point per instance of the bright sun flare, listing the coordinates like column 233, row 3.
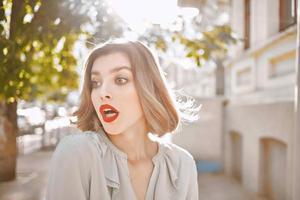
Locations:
column 139, row 13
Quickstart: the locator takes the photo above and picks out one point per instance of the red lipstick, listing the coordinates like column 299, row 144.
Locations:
column 108, row 112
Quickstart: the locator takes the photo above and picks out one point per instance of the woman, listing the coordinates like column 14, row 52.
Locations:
column 124, row 101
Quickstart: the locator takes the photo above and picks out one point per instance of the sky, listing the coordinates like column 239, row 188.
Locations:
column 140, row 14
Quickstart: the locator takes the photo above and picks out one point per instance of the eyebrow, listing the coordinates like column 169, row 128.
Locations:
column 114, row 70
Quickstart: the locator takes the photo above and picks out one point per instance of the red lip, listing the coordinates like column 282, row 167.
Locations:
column 106, row 118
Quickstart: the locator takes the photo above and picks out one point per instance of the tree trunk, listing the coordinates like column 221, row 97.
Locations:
column 8, row 111
column 8, row 144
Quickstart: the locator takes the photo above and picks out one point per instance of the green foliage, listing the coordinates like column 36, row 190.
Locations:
column 36, row 46
column 156, row 36
column 28, row 57
column 213, row 43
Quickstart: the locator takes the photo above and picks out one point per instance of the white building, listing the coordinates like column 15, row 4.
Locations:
column 259, row 117
column 258, row 114
column 198, row 82
column 202, row 138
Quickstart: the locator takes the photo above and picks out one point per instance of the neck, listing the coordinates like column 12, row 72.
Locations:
column 135, row 143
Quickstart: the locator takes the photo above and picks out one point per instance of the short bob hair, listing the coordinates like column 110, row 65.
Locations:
column 157, row 102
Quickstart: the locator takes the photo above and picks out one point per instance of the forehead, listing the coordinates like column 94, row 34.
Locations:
column 107, row 63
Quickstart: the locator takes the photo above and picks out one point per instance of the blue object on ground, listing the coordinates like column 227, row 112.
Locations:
column 208, row 166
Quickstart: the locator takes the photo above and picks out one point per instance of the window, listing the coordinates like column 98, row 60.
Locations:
column 287, row 13
column 282, row 65
column 247, row 24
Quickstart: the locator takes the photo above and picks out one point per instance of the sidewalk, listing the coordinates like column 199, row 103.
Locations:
column 220, row 187
column 32, row 178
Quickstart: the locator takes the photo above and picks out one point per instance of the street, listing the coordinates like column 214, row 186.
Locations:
column 31, row 178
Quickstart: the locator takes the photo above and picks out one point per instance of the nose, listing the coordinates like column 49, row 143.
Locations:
column 104, row 93
column 103, row 98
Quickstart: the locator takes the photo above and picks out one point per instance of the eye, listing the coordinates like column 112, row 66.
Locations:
column 121, row 80
column 95, row 84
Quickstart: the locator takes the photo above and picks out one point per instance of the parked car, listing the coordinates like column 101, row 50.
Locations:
column 30, row 120
column 24, row 125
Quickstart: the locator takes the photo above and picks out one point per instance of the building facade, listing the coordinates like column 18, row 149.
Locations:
column 203, row 137
column 259, row 115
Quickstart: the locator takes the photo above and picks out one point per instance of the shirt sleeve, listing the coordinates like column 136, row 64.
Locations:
column 192, row 193
column 68, row 177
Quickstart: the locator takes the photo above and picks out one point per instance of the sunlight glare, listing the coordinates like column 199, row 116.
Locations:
column 140, row 14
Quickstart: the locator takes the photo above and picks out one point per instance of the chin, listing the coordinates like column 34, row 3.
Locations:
column 111, row 131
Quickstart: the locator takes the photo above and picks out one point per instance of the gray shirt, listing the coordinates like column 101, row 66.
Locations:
column 88, row 166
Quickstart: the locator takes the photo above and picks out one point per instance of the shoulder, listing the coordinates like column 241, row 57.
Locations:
column 179, row 156
column 178, row 151
column 79, row 145
column 180, row 163
column 71, row 168
column 76, row 141
column 184, row 172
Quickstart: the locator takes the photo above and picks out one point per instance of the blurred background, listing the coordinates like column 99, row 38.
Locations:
column 237, row 58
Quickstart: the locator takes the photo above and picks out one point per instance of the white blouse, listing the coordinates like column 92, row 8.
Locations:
column 88, row 166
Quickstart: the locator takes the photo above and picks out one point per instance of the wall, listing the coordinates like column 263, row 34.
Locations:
column 204, row 137
column 253, row 122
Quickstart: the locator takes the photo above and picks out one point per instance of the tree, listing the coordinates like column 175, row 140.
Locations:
column 209, row 41
column 36, row 58
column 213, row 45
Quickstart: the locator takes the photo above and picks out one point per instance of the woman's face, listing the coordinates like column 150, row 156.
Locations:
column 114, row 95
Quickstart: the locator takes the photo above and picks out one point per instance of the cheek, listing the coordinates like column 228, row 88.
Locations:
column 94, row 100
column 132, row 102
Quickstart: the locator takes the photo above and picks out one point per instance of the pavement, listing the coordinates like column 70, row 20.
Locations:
column 215, row 186
column 32, row 170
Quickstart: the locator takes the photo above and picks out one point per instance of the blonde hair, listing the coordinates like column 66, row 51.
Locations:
column 158, row 103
